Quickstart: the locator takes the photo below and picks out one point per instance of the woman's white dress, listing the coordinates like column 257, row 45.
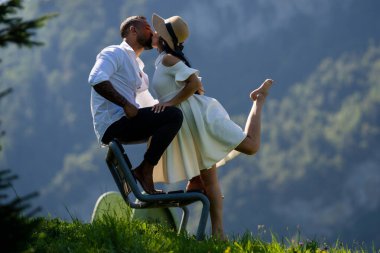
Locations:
column 207, row 135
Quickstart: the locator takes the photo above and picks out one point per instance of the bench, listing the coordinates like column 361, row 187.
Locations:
column 121, row 170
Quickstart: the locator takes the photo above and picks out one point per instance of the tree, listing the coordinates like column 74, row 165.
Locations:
column 16, row 229
column 14, row 29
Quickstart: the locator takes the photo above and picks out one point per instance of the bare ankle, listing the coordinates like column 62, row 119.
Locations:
column 145, row 167
column 144, row 174
column 219, row 234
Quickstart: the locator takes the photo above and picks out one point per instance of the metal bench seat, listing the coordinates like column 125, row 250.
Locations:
column 121, row 170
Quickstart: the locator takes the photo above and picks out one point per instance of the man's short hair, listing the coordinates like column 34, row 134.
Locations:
column 128, row 22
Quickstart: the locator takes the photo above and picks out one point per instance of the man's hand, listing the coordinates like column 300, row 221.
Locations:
column 130, row 110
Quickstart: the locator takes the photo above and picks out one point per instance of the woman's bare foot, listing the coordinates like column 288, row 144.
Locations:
column 220, row 236
column 263, row 89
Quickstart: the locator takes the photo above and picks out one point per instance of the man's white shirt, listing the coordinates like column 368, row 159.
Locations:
column 119, row 65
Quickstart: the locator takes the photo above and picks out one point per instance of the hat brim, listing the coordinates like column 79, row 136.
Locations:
column 160, row 27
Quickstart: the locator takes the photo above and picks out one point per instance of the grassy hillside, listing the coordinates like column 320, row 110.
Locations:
column 115, row 230
column 120, row 235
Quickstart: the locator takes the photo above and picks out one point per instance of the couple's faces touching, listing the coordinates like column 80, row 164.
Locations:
column 146, row 37
column 144, row 34
column 155, row 40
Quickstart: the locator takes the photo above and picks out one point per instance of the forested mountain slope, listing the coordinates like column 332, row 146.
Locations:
column 319, row 163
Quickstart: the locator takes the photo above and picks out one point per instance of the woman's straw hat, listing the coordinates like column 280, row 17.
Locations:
column 179, row 30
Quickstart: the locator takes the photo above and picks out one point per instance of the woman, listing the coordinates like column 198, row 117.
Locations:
column 207, row 135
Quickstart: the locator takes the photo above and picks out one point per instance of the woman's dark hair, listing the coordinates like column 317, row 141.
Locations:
column 178, row 52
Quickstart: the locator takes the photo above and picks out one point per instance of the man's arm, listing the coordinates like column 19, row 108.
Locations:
column 106, row 90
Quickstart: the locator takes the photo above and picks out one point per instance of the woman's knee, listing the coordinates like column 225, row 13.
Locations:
column 248, row 146
column 254, row 148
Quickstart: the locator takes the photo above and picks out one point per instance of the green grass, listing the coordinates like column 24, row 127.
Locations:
column 113, row 234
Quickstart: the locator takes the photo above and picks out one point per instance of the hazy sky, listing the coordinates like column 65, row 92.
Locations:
column 228, row 20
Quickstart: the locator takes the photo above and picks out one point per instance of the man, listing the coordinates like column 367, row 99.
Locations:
column 119, row 85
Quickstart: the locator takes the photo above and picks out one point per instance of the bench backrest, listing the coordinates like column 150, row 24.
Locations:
column 121, row 170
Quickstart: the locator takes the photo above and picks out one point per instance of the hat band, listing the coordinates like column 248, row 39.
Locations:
column 169, row 27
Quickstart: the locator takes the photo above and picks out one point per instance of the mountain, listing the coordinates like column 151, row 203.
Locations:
column 317, row 168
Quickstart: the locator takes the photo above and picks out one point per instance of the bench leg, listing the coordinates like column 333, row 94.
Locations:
column 203, row 218
column 185, row 218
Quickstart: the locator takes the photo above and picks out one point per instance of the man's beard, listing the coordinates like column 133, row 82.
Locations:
column 146, row 43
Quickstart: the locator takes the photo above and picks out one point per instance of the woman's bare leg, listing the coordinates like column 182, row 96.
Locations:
column 195, row 184
column 251, row 144
column 214, row 194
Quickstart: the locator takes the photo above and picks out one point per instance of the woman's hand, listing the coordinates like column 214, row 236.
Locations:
column 200, row 91
column 160, row 107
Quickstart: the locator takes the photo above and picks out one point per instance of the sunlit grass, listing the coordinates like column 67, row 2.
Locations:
column 120, row 235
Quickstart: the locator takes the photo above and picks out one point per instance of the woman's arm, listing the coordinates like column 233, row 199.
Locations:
column 192, row 84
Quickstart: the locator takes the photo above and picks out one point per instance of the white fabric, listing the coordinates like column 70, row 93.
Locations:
column 119, row 65
column 207, row 135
